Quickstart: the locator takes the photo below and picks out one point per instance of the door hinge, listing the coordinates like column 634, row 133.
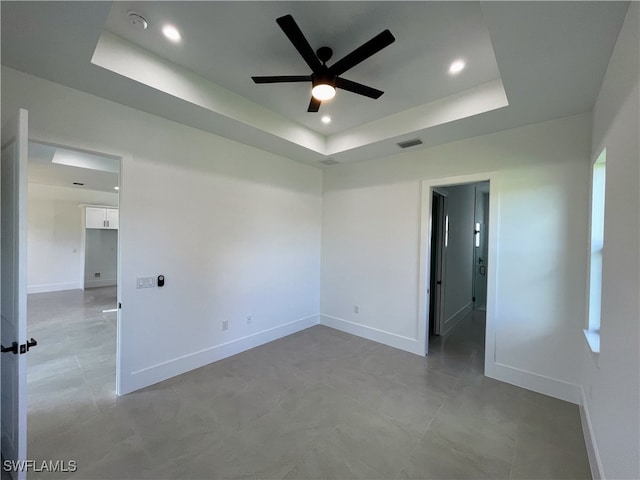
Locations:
column 473, row 299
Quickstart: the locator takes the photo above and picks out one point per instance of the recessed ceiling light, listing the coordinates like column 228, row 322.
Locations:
column 326, row 119
column 171, row 33
column 456, row 67
column 116, row 188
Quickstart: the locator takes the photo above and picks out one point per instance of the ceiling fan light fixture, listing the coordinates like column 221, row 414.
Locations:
column 323, row 91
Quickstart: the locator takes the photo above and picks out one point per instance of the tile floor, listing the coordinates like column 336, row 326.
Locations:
column 317, row 404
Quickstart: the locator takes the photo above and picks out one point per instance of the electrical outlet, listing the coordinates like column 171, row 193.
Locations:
column 249, row 320
column 225, row 325
column 356, row 309
column 96, row 275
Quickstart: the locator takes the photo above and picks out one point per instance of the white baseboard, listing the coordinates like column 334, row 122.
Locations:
column 552, row 387
column 397, row 341
column 454, row 319
column 590, row 440
column 103, row 282
column 54, row 287
column 177, row 366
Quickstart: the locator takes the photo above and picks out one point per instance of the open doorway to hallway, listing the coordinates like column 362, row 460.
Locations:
column 72, row 258
column 458, row 268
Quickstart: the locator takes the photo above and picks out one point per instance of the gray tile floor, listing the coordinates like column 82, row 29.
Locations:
column 317, row 404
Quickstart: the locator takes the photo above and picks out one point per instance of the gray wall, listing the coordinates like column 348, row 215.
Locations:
column 459, row 264
column 101, row 256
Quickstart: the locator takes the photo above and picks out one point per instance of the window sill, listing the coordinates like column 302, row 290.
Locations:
column 593, row 339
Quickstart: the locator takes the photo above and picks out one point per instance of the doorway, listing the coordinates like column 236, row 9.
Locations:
column 456, row 274
column 72, row 283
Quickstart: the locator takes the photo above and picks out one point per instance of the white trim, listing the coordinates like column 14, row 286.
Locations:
column 593, row 339
column 91, row 205
column 590, row 439
column 407, row 344
column 552, row 387
column 454, row 319
column 162, row 371
column 103, row 282
column 492, row 265
column 54, row 287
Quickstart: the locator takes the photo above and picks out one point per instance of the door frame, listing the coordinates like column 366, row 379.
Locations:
column 121, row 159
column 427, row 188
column 441, row 258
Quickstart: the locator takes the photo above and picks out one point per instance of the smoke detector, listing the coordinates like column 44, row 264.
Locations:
column 138, row 21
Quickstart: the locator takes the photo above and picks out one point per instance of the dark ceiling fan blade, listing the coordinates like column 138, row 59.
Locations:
column 282, row 79
column 363, row 52
column 295, row 35
column 314, row 105
column 358, row 88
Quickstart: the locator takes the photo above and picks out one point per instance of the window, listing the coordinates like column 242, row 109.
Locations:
column 597, row 243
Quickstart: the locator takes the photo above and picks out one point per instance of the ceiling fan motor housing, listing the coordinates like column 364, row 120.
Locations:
column 323, row 77
column 324, row 54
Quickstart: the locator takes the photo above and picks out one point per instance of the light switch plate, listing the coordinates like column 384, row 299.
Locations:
column 145, row 282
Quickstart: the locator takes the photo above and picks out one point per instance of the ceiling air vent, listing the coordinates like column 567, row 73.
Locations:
column 329, row 161
column 410, row 143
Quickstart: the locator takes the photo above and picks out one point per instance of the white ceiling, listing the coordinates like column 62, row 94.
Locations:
column 526, row 62
column 93, row 176
column 412, row 71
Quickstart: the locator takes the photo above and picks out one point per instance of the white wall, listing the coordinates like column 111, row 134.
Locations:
column 235, row 230
column 458, row 287
column 101, row 256
column 54, row 235
column 612, row 378
column 371, row 218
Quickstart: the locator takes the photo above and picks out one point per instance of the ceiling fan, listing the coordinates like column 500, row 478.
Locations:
column 325, row 79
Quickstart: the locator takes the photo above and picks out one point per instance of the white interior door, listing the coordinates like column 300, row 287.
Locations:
column 13, row 289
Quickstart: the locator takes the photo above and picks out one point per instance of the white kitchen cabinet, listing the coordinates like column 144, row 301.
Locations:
column 101, row 217
column 113, row 217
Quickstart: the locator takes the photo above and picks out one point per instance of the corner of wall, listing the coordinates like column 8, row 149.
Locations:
column 552, row 387
column 407, row 344
column 590, row 439
column 454, row 319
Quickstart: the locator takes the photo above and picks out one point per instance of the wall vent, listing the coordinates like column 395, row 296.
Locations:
column 329, row 161
column 410, row 143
